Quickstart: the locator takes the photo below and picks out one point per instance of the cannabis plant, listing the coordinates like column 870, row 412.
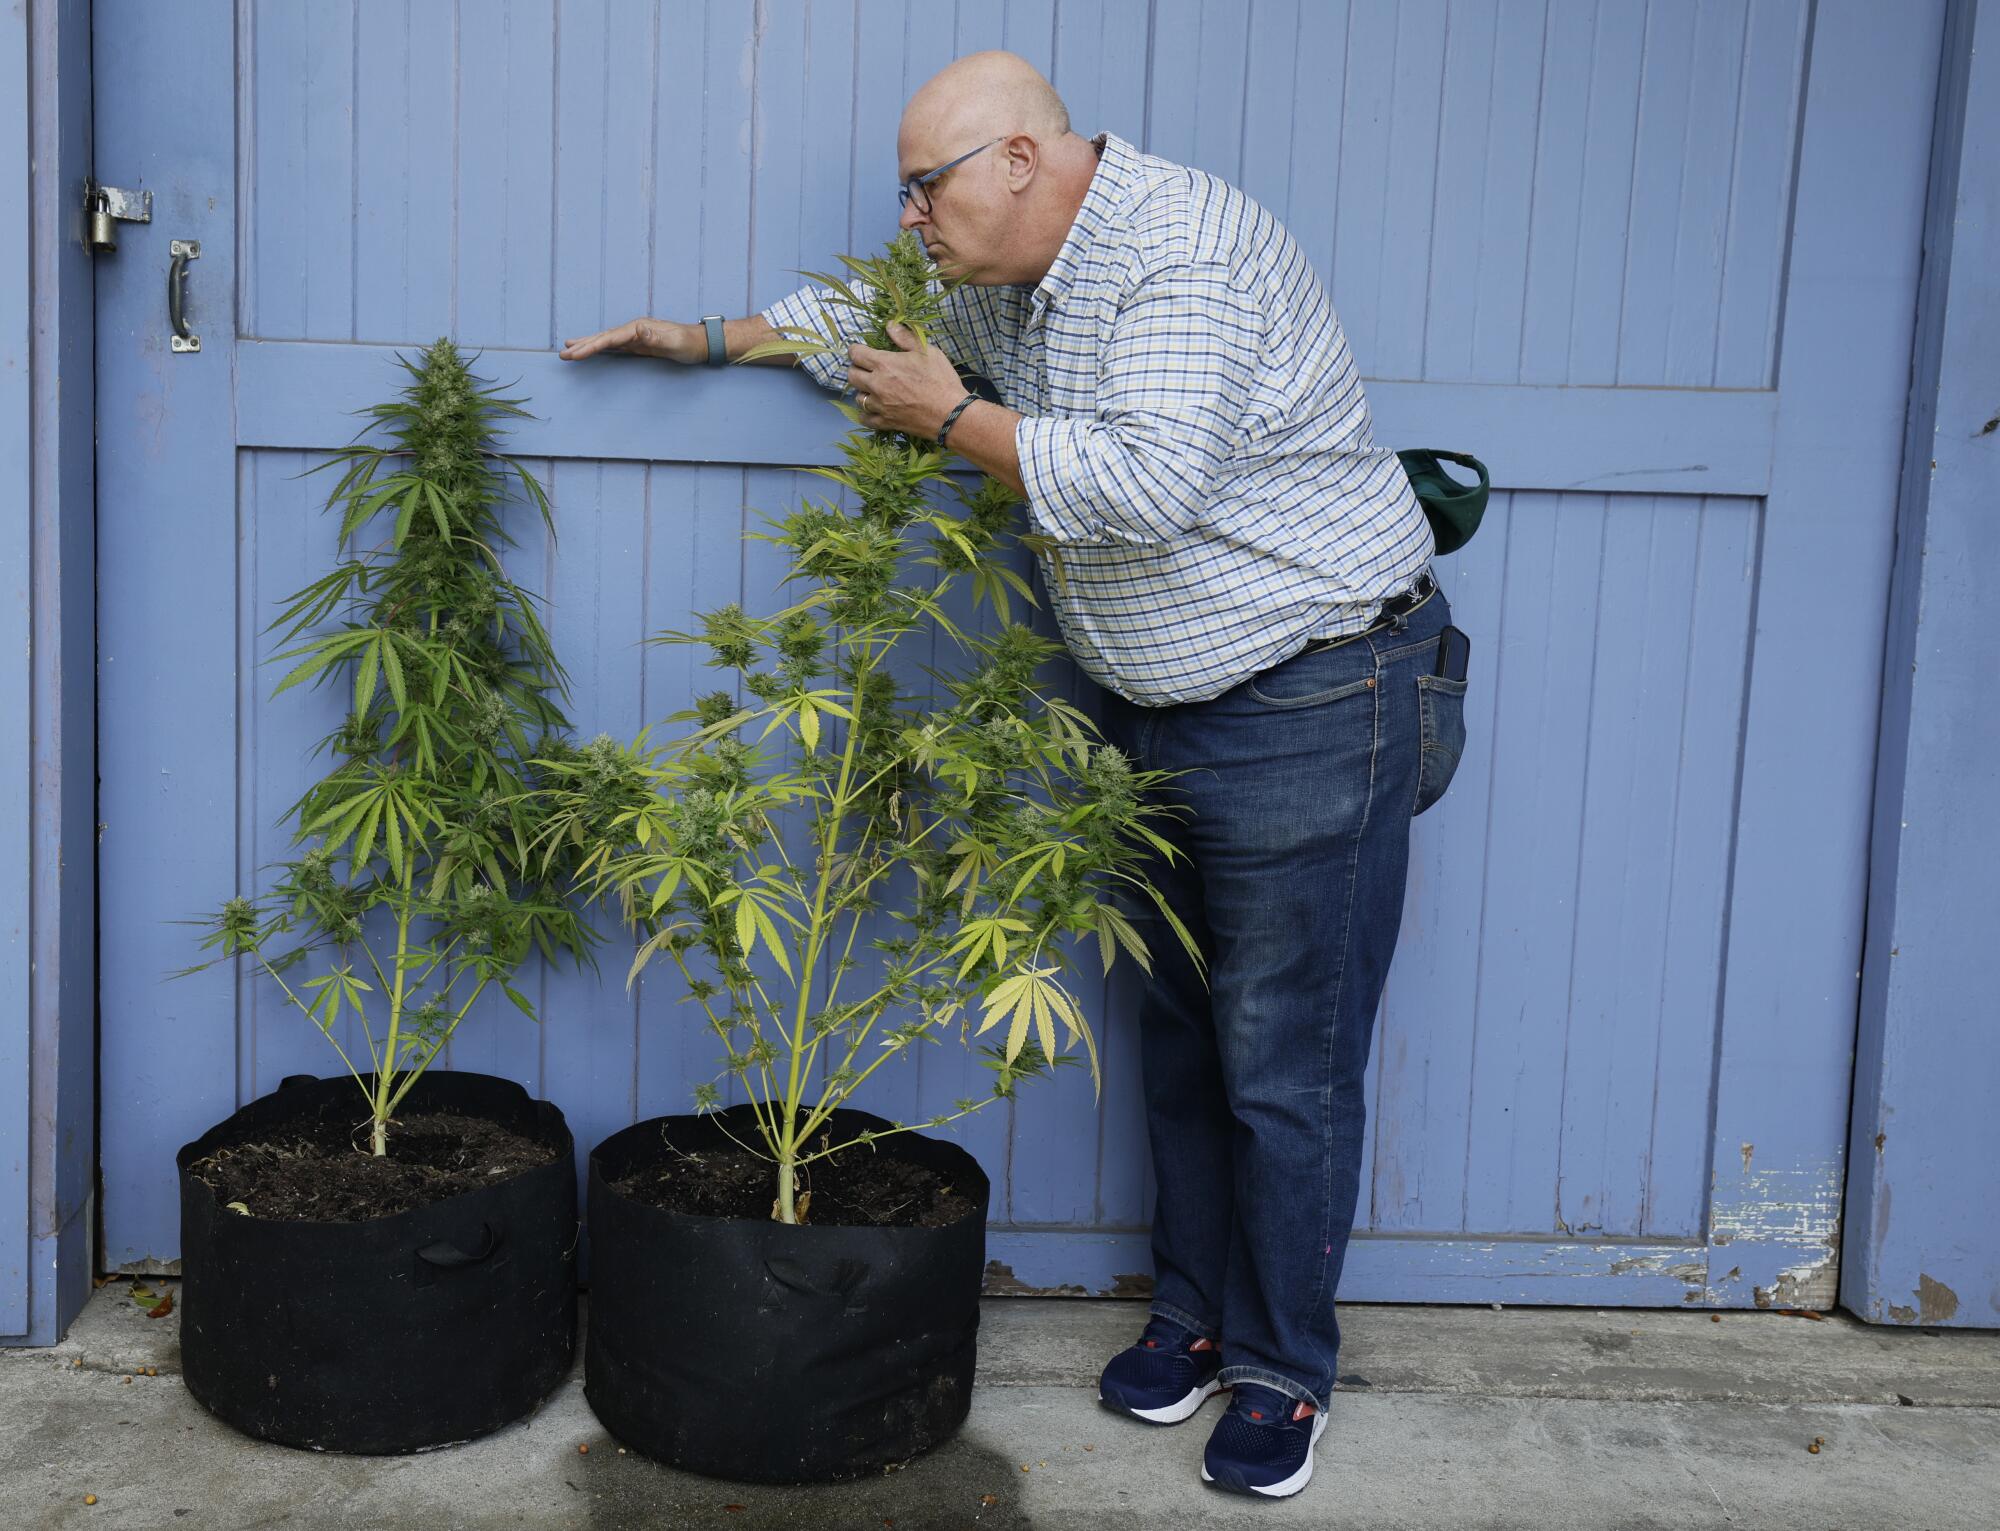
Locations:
column 985, row 819
column 414, row 888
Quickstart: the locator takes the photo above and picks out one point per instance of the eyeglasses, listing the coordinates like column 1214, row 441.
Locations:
column 917, row 188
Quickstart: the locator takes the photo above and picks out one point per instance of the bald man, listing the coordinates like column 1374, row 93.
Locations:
column 1247, row 574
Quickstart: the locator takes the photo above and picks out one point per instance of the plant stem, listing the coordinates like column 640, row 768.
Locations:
column 788, row 1141
column 385, row 1076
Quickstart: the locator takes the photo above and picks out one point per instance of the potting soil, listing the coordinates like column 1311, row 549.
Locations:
column 320, row 1170
column 856, row 1188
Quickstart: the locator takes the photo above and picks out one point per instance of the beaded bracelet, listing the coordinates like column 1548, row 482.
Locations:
column 952, row 419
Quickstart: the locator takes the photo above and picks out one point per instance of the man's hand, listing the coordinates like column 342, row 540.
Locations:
column 909, row 390
column 643, row 337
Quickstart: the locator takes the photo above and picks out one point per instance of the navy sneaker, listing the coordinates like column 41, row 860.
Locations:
column 1164, row 1378
column 1264, row 1444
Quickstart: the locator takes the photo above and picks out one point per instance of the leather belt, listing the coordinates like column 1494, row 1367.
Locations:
column 1393, row 609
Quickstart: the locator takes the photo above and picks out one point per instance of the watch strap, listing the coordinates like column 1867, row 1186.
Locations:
column 718, row 350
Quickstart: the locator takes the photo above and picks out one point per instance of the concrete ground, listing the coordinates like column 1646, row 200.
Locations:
column 1448, row 1417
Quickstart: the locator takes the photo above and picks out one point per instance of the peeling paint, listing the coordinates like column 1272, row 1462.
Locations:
column 1935, row 1301
column 1748, row 1150
column 1808, row 1286
column 1790, row 1218
column 1000, row 1281
column 1902, row 1315
column 1686, row 1271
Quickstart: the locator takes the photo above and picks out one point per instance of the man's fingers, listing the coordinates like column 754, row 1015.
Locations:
column 906, row 337
column 616, row 339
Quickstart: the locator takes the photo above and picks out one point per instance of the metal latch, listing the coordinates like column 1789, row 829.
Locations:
column 108, row 206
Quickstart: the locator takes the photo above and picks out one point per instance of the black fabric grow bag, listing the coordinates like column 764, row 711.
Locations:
column 755, row 1350
column 396, row 1334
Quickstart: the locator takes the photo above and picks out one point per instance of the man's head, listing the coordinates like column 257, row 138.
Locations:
column 1001, row 215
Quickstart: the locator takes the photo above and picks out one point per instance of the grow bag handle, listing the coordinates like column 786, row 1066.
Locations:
column 449, row 1256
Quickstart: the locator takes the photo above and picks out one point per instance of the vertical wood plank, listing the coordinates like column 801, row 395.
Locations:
column 166, row 577
column 506, row 171
column 1622, row 894
column 1427, row 1024
column 1766, row 150
column 1541, row 676
column 1598, row 291
column 596, row 621
column 1709, row 739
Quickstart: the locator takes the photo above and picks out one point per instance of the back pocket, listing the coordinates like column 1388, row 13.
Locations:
column 1442, row 705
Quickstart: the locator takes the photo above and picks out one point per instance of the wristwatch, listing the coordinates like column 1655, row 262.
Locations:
column 718, row 351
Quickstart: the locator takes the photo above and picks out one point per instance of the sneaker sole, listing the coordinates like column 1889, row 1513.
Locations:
column 1285, row 1488
column 1169, row 1414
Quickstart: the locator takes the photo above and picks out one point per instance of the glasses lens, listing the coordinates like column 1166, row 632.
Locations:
column 912, row 194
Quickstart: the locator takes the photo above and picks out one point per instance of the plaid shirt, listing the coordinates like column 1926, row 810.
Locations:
column 1195, row 445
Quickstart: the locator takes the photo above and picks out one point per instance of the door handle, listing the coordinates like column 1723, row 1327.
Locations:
column 184, row 250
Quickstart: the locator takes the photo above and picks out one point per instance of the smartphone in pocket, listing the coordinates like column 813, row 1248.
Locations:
column 1454, row 653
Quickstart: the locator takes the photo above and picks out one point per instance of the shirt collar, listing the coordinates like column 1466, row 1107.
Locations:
column 1117, row 164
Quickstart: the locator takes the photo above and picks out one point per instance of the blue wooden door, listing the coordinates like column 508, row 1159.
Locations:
column 1655, row 264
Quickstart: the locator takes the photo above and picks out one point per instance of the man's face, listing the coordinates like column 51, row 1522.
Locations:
column 965, row 222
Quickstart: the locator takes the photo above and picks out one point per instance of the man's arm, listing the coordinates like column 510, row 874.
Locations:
column 1174, row 380
column 985, row 437
column 674, row 341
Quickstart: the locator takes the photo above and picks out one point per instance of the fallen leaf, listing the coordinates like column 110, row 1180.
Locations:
column 163, row 1308
column 732, row 1508
column 989, row 1498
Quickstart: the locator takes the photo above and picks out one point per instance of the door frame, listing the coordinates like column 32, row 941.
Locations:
column 47, row 628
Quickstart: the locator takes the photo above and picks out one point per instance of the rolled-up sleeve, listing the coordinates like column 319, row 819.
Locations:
column 819, row 310
column 1174, row 381
column 966, row 334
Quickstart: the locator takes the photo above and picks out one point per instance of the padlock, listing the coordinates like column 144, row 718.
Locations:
column 103, row 227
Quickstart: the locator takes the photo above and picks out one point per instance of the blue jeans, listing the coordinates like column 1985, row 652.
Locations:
column 1301, row 783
